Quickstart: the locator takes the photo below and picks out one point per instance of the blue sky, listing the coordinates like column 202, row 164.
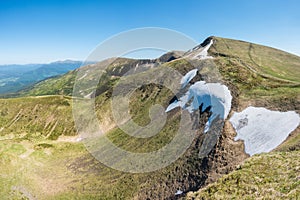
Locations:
column 39, row 31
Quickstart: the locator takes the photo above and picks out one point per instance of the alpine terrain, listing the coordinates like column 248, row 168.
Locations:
column 243, row 100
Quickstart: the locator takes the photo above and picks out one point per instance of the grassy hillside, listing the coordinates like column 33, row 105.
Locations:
column 35, row 117
column 264, row 77
column 276, row 75
column 61, row 85
column 269, row 176
column 266, row 61
column 257, row 71
column 42, row 158
column 272, row 175
column 61, row 168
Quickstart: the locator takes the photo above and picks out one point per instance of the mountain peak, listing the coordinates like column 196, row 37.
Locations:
column 207, row 41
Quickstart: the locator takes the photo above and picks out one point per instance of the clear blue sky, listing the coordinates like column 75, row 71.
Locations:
column 38, row 31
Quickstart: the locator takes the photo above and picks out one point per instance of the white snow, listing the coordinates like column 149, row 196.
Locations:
column 178, row 192
column 262, row 130
column 214, row 95
column 204, row 54
column 188, row 77
column 173, row 105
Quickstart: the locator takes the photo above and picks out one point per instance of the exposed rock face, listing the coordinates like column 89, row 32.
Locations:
column 206, row 41
column 170, row 56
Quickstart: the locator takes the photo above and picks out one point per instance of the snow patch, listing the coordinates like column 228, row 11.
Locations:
column 262, row 130
column 178, row 192
column 202, row 95
column 188, row 77
column 204, row 54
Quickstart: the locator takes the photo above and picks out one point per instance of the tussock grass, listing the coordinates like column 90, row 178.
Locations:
column 268, row 176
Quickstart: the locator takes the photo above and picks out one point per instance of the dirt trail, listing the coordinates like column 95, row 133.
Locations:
column 24, row 192
column 16, row 118
column 27, row 153
column 72, row 139
column 268, row 76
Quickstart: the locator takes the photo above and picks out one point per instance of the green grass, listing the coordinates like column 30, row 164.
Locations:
column 35, row 117
column 259, row 87
column 265, row 60
column 62, row 171
column 61, row 85
column 264, row 77
column 58, row 170
column 33, row 161
column 268, row 176
column 252, row 85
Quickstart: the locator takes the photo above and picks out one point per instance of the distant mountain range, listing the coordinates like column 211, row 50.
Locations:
column 16, row 77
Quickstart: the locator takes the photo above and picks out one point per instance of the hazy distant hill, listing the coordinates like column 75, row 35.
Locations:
column 16, row 77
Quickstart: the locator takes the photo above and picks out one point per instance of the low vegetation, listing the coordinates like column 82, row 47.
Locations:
column 270, row 176
column 41, row 158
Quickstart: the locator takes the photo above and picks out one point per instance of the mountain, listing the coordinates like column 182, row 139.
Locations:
column 271, row 176
column 64, row 85
column 7, row 71
column 44, row 157
column 11, row 72
column 16, row 77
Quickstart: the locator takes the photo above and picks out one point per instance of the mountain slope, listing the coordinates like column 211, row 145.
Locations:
column 271, row 176
column 20, row 77
column 278, row 72
column 73, row 173
column 42, row 117
column 263, row 60
column 7, row 71
column 64, row 84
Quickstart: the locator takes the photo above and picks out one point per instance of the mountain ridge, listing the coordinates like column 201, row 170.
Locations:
column 22, row 76
column 189, row 173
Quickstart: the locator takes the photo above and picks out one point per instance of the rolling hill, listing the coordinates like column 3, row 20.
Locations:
column 44, row 157
column 17, row 77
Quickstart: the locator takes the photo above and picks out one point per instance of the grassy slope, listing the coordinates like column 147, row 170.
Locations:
column 62, row 85
column 269, row 176
column 260, row 88
column 277, row 74
column 69, row 171
column 274, row 175
column 264, row 60
column 34, row 164
column 59, row 170
column 36, row 117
